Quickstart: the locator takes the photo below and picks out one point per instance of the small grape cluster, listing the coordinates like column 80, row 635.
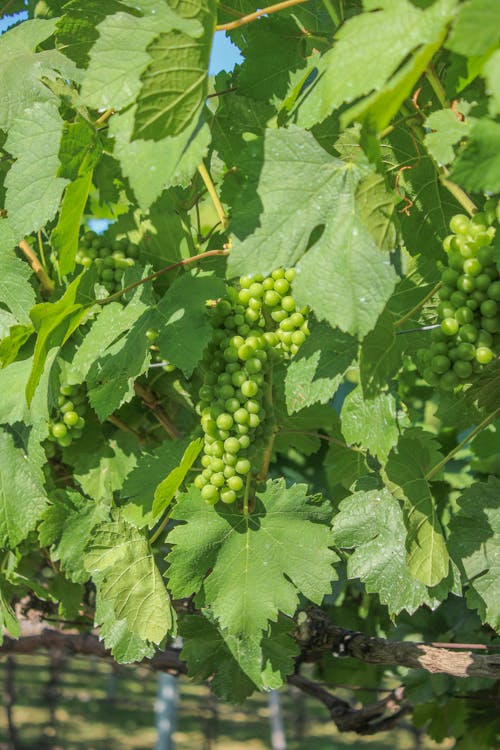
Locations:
column 110, row 259
column 469, row 308
column 255, row 323
column 68, row 423
column 156, row 356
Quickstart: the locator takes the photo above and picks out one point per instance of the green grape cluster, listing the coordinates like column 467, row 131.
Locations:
column 256, row 323
column 68, row 423
column 110, row 259
column 156, row 356
column 469, row 308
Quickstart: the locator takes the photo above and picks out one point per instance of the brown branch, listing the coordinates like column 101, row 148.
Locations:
column 254, row 16
column 316, row 634
column 46, row 283
column 151, row 402
column 153, row 276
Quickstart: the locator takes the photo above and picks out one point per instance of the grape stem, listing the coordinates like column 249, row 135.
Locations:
column 160, row 529
column 46, row 283
column 105, row 116
column 337, row 18
column 437, row 468
column 149, row 400
column 254, row 16
column 418, row 306
column 213, row 194
column 156, row 274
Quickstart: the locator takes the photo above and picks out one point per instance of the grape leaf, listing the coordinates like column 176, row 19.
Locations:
column 120, row 561
column 22, row 496
column 475, row 29
column 344, row 465
column 54, row 323
column 33, row 188
column 477, row 167
column 8, row 619
column 111, row 378
column 113, row 80
column 258, row 563
column 447, row 129
column 381, row 354
column 492, row 75
column 112, row 322
column 10, row 345
column 274, row 227
column 371, row 525
column 101, row 465
column 64, row 238
column 22, row 69
column 316, row 372
column 185, row 326
column 274, row 50
column 370, row 422
column 174, row 84
column 179, row 156
column 15, row 290
column 125, row 646
column 474, row 547
column 301, row 430
column 425, row 216
column 76, row 30
column 67, row 526
column 140, row 484
column 368, row 50
column 408, row 464
column 237, row 666
column 165, row 491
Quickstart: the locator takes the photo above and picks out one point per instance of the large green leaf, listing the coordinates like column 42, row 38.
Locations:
column 317, row 370
column 76, row 30
column 54, row 323
column 185, row 326
column 122, row 564
column 368, row 50
column 22, row 496
column 119, row 55
column 408, row 464
column 16, row 293
column 67, row 526
column 344, row 277
column 178, row 155
column 478, row 166
column 140, row 484
column 33, row 188
column 22, row 68
column 371, row 525
column 237, row 666
column 174, row 84
column 100, row 465
column 167, row 488
column 474, row 546
column 446, row 130
column 251, row 567
column 370, row 422
column 475, row 29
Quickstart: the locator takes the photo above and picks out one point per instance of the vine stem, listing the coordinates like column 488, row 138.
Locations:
column 332, row 12
column 156, row 274
column 213, row 194
column 258, row 13
column 436, row 469
column 418, row 306
column 47, row 285
column 459, row 195
column 105, row 116
column 159, row 530
column 152, row 404
column 437, row 86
